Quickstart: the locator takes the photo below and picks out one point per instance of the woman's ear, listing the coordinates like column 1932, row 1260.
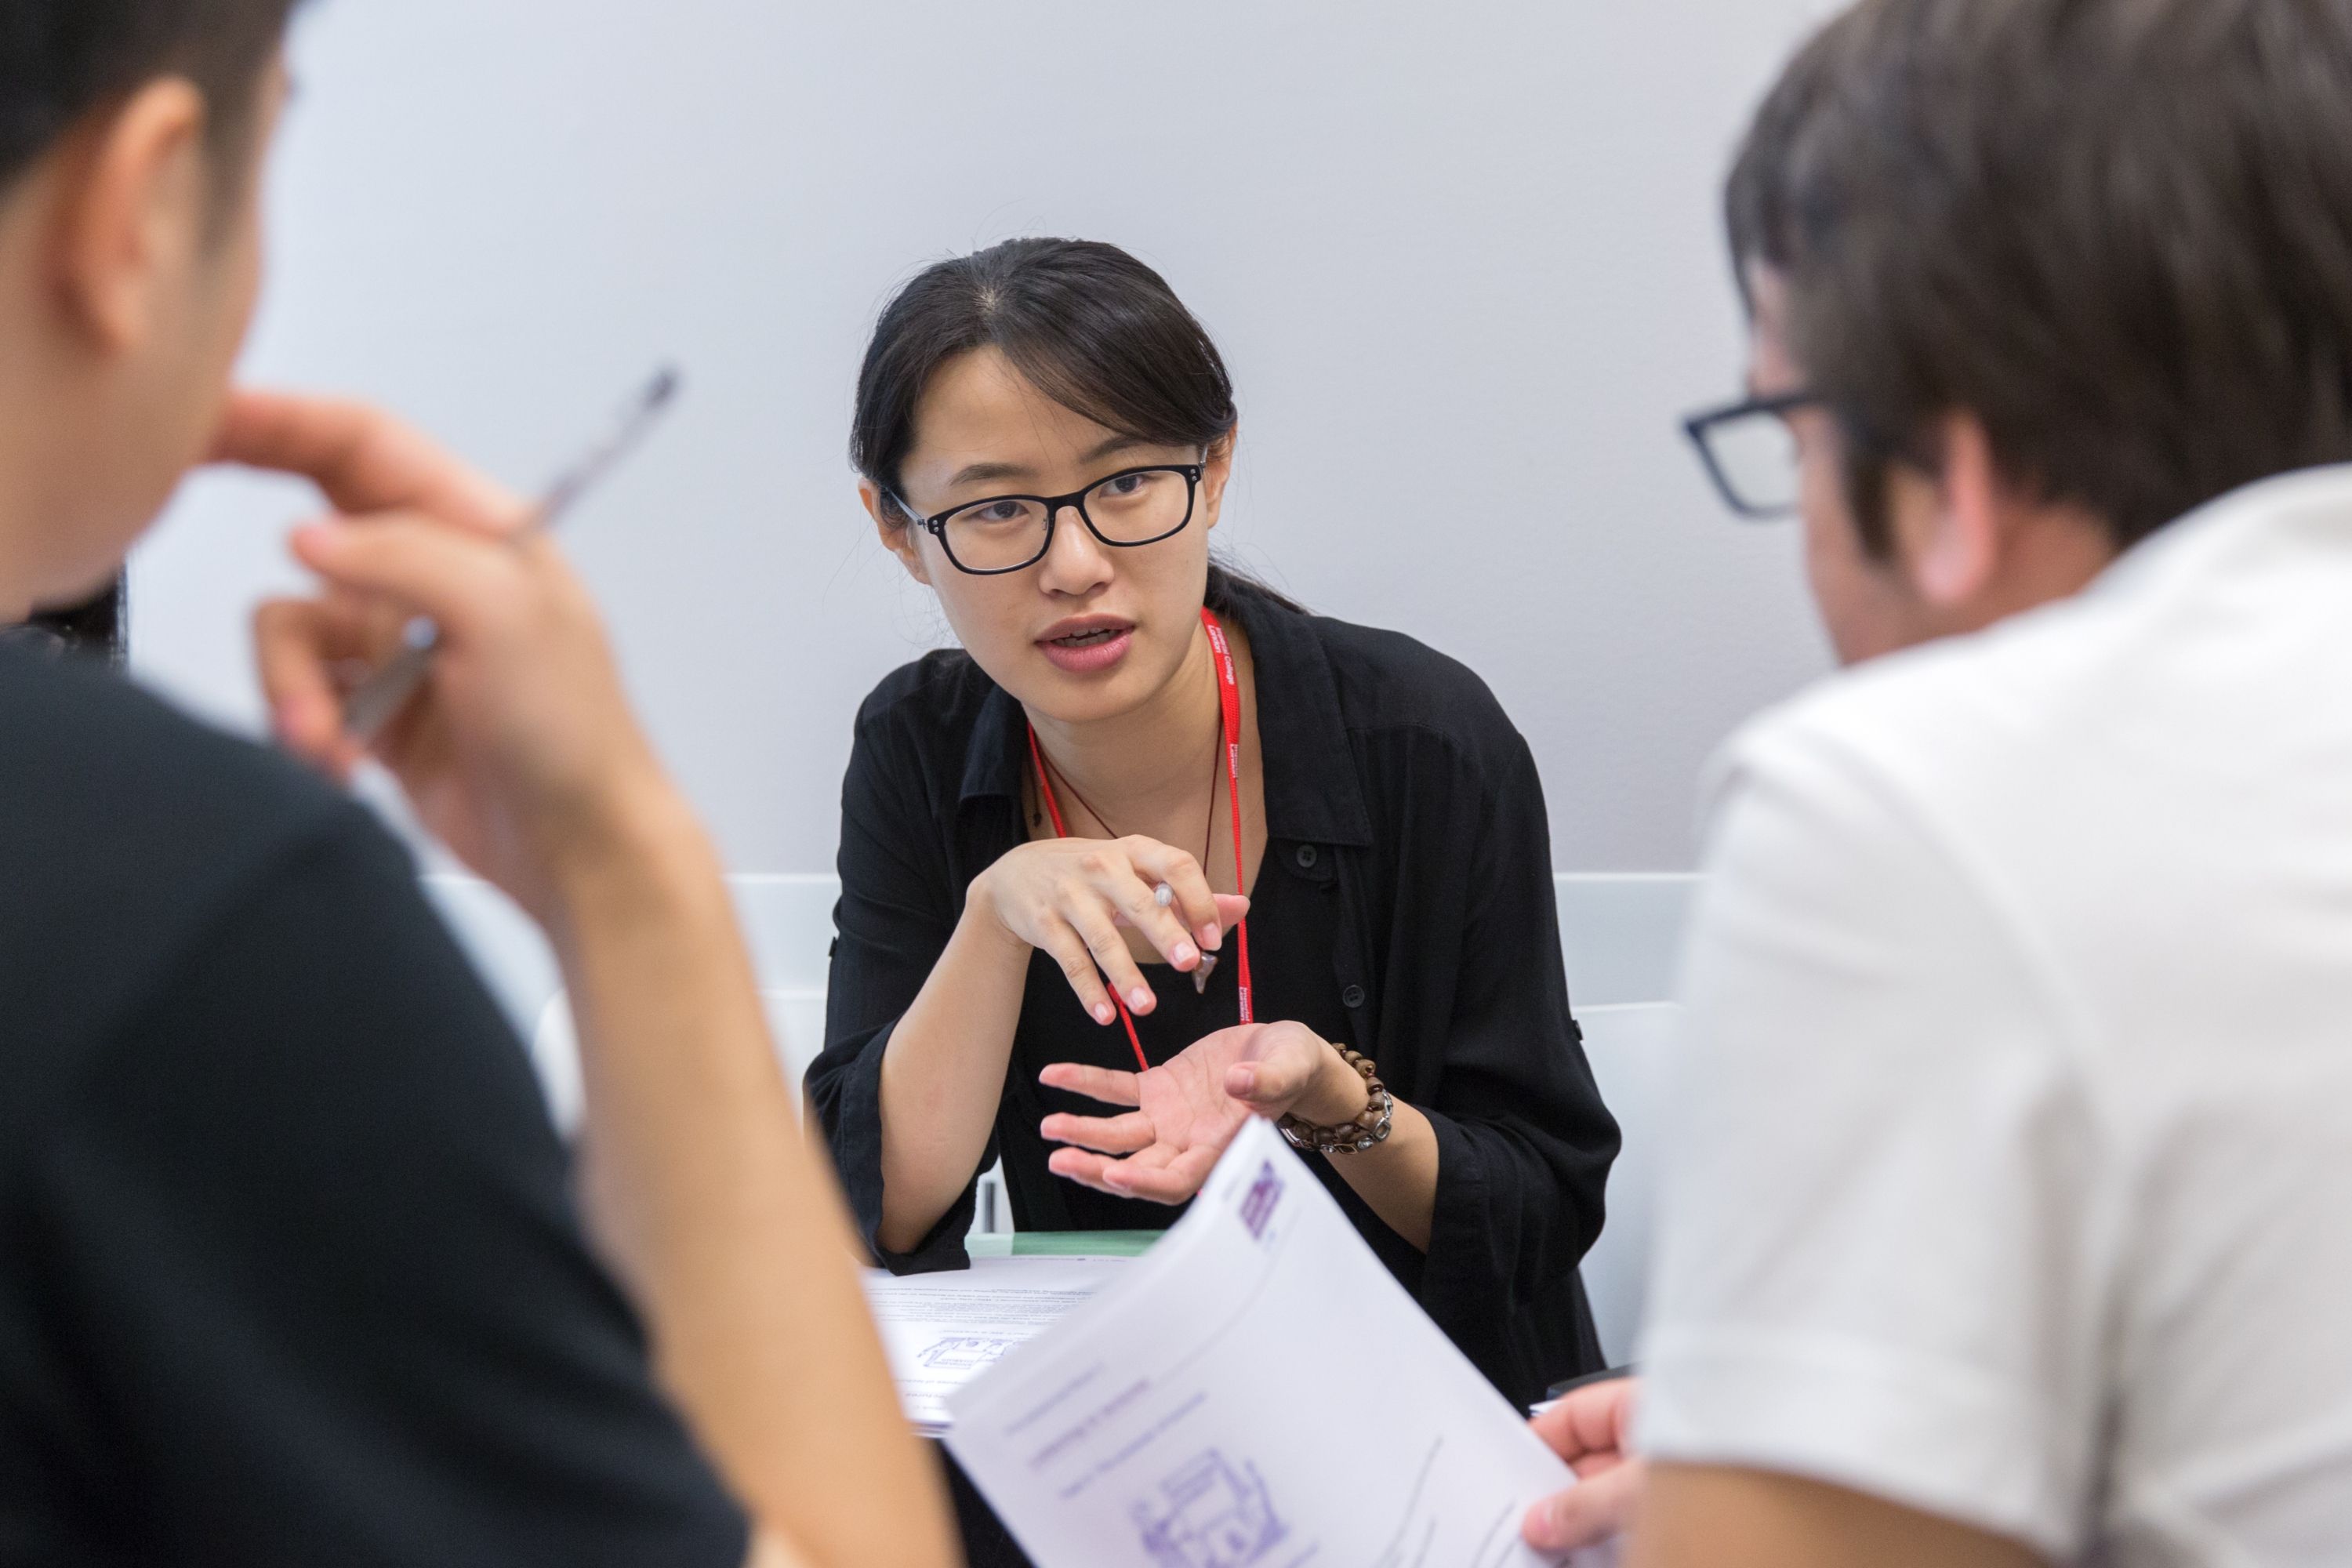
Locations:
column 1217, row 468
column 898, row 533
column 1950, row 546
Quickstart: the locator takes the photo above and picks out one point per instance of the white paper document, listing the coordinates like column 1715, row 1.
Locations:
column 1256, row 1391
column 941, row 1330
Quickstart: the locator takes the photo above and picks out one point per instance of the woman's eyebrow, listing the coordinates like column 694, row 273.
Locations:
column 1115, row 445
column 975, row 473
column 982, row 473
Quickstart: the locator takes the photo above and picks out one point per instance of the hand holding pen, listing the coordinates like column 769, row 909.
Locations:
column 377, row 701
column 521, row 752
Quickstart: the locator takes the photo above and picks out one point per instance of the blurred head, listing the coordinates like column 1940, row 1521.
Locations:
column 2053, row 273
column 131, row 133
column 1039, row 370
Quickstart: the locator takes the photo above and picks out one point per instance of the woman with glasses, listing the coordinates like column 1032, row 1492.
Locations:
column 1155, row 850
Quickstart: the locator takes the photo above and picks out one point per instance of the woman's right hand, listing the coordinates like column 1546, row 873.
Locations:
column 1070, row 897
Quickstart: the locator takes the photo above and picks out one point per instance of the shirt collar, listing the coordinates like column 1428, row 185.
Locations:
column 1000, row 748
column 1313, row 795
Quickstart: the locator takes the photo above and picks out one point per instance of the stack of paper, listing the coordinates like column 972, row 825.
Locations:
column 1257, row 1390
column 941, row 1330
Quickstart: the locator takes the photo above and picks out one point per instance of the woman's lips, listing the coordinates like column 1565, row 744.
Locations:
column 1088, row 650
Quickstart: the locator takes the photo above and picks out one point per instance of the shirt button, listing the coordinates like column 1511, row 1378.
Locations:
column 1353, row 997
column 1308, row 856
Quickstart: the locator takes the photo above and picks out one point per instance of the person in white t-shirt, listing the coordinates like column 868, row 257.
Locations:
column 2009, row 1207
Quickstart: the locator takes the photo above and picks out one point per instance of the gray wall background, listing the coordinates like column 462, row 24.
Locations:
column 1463, row 258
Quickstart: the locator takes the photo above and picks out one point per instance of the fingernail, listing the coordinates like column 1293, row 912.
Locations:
column 1139, row 999
column 1212, row 935
column 1105, row 1012
column 1185, row 955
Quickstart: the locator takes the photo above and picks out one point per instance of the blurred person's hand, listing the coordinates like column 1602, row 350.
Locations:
column 1592, row 1428
column 520, row 753
column 519, row 750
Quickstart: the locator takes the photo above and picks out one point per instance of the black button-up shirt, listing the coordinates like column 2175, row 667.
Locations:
column 1393, row 777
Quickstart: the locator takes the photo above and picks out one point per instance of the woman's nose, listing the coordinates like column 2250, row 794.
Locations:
column 1076, row 560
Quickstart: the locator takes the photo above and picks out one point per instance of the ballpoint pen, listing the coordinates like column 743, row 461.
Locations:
column 372, row 704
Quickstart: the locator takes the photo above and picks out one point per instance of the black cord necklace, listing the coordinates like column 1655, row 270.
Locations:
column 1208, row 839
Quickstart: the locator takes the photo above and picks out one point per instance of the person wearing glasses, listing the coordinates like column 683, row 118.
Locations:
column 1156, row 842
column 2003, row 1213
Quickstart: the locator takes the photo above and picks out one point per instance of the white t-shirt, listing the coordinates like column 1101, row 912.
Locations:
column 2011, row 1175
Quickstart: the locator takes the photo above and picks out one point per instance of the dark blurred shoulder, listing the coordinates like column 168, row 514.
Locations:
column 126, row 829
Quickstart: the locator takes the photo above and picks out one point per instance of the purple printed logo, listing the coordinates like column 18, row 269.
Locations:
column 1258, row 1203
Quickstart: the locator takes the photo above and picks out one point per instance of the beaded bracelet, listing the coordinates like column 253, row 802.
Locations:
column 1371, row 1127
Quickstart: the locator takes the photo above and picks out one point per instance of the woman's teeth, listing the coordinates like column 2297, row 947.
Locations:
column 1087, row 639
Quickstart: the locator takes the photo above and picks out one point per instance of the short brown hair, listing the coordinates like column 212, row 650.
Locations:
column 2119, row 231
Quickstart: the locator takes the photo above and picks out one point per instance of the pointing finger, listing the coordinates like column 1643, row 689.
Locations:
column 457, row 579
column 1078, row 968
column 1110, row 1087
column 362, row 457
column 297, row 644
column 1086, row 1170
column 1177, row 1182
column 1189, row 891
column 1104, row 1135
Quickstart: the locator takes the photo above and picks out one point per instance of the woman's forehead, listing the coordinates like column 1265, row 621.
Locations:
column 978, row 407
column 982, row 421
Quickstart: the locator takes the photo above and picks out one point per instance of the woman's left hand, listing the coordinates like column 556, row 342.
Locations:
column 1189, row 1107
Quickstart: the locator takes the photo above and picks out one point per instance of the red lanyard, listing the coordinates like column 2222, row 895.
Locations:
column 1229, row 704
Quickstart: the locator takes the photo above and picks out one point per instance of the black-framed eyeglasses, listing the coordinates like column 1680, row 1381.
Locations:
column 1011, row 533
column 1751, row 453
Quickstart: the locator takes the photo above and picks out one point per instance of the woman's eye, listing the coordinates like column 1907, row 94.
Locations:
column 998, row 512
column 1126, row 485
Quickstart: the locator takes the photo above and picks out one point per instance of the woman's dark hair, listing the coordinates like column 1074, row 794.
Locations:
column 59, row 60
column 1090, row 326
column 2119, row 231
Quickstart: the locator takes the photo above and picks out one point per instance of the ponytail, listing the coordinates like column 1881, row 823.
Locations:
column 1228, row 585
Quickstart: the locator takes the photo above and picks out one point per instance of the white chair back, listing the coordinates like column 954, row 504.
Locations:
column 1630, row 1048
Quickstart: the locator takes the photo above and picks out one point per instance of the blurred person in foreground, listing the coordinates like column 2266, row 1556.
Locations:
column 2004, row 1220
column 289, row 1266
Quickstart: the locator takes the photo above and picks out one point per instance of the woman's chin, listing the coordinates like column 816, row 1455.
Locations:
column 1049, row 687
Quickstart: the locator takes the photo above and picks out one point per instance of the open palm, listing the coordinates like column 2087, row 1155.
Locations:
column 1186, row 1111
